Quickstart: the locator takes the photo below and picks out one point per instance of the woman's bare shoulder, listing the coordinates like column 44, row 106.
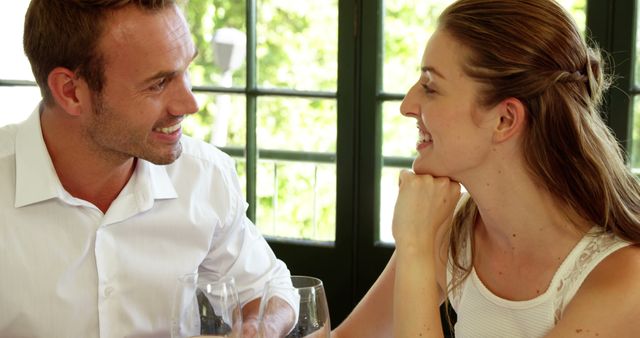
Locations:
column 607, row 299
column 620, row 269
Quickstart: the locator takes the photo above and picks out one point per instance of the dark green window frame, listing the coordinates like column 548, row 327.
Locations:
column 612, row 24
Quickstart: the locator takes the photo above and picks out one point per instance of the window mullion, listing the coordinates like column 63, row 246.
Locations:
column 622, row 51
column 612, row 26
column 251, row 154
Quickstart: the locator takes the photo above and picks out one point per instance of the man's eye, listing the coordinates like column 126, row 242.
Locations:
column 159, row 85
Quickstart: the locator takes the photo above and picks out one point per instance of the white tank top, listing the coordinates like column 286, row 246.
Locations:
column 483, row 314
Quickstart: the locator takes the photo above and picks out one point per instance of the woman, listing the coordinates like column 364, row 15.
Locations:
column 543, row 244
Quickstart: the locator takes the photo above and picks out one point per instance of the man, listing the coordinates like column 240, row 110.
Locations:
column 104, row 204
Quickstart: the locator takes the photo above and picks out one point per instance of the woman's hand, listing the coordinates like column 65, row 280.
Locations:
column 424, row 204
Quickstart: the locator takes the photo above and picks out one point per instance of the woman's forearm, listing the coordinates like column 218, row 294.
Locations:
column 416, row 304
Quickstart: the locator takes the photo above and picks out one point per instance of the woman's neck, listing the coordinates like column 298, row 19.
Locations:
column 517, row 211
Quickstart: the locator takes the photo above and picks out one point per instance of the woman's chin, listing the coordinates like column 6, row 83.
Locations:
column 421, row 169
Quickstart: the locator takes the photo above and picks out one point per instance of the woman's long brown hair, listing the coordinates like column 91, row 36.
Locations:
column 532, row 50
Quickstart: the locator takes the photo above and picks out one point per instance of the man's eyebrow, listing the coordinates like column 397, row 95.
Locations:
column 160, row 75
column 167, row 74
column 432, row 70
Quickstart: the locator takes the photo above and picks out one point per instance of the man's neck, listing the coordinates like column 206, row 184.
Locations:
column 84, row 173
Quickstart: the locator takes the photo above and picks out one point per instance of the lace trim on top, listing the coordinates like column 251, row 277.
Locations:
column 590, row 250
column 597, row 248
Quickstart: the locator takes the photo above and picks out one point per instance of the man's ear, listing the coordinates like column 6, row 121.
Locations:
column 512, row 114
column 65, row 87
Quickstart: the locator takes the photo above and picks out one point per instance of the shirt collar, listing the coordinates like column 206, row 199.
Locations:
column 36, row 178
column 148, row 183
column 160, row 184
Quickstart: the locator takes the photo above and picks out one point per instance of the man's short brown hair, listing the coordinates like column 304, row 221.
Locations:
column 65, row 33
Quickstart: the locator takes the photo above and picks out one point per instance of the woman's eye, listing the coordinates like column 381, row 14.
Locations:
column 427, row 89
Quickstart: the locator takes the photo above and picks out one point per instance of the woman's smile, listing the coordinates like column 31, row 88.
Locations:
column 424, row 138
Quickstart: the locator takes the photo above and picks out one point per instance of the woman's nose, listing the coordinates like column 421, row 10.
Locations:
column 409, row 106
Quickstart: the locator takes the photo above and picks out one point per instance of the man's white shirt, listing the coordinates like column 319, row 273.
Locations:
column 68, row 270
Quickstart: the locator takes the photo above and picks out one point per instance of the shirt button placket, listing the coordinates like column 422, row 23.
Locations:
column 107, row 289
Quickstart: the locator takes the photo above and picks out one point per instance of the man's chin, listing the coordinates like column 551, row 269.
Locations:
column 165, row 158
column 162, row 161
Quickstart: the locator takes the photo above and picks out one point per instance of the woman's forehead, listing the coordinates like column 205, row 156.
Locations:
column 443, row 56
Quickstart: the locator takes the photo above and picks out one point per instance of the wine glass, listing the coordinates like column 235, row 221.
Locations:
column 306, row 296
column 205, row 306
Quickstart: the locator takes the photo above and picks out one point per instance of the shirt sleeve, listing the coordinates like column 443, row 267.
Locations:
column 239, row 250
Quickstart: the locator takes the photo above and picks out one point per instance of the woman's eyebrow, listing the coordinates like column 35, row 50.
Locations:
column 432, row 70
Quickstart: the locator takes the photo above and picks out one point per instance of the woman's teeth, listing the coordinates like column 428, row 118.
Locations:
column 424, row 137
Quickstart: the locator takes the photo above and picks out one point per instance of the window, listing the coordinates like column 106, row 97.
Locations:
column 275, row 109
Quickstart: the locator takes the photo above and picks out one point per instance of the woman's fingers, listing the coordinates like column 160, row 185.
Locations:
column 424, row 203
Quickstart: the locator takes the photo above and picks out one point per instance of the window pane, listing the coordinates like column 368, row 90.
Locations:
column 408, row 24
column 388, row 196
column 578, row 9
column 218, row 29
column 400, row 133
column 637, row 64
column 296, row 200
column 241, row 168
column 14, row 65
column 220, row 121
column 17, row 103
column 297, row 45
column 635, row 144
column 298, row 124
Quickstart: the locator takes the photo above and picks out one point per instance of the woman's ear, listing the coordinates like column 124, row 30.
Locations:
column 65, row 87
column 511, row 119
